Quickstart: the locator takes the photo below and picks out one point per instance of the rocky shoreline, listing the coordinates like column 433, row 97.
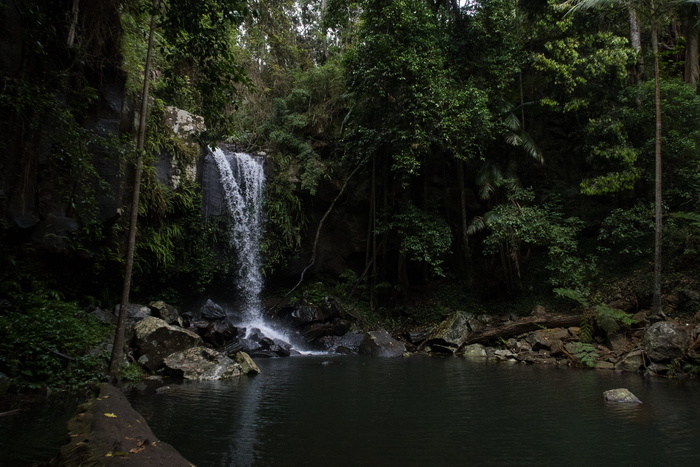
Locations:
column 163, row 340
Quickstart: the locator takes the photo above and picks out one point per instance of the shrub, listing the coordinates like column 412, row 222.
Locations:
column 45, row 341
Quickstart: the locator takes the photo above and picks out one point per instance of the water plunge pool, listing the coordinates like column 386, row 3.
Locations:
column 348, row 411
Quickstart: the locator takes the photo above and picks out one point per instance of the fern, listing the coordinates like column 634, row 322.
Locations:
column 586, row 353
column 609, row 319
column 586, row 334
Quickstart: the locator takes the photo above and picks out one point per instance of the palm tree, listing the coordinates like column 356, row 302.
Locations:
column 655, row 14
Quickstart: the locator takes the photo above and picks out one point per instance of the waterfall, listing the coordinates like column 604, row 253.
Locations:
column 243, row 180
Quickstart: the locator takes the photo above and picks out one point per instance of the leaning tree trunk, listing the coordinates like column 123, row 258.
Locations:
column 118, row 347
column 658, row 231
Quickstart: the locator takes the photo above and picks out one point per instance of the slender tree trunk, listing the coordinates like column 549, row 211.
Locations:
column 371, row 256
column 636, row 43
column 658, row 202
column 73, row 24
column 118, row 347
column 692, row 49
column 463, row 218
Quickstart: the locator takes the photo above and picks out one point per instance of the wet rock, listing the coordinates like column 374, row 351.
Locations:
column 605, row 366
column 104, row 316
column 201, row 363
column 212, row 311
column 314, row 331
column 659, row 369
column 306, row 314
column 380, row 344
column 419, row 336
column 348, row 344
column 550, row 339
column 166, row 312
column 504, row 355
column 454, row 330
column 621, row 395
column 633, row 361
column 218, row 333
column 247, row 364
column 665, row 340
column 156, row 339
column 473, row 351
column 134, row 312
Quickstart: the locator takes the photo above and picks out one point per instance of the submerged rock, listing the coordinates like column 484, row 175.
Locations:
column 380, row 344
column 156, row 339
column 621, row 395
column 201, row 363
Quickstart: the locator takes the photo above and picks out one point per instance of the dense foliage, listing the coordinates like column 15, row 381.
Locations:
column 495, row 149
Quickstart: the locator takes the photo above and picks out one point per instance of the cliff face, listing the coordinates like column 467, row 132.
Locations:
column 62, row 100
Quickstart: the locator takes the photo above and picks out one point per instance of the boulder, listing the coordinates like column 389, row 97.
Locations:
column 549, row 339
column 380, row 344
column 604, row 366
column 247, row 364
column 166, row 312
column 347, row 344
column 474, row 351
column 306, row 314
column 212, row 311
column 200, row 364
column 104, row 316
column 633, row 361
column 337, row 327
column 665, row 340
column 156, row 339
column 621, row 395
column 134, row 312
column 454, row 330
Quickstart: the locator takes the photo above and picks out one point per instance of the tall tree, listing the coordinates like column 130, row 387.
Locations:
column 118, row 347
column 655, row 13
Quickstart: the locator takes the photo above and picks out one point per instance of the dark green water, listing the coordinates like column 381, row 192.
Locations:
column 351, row 411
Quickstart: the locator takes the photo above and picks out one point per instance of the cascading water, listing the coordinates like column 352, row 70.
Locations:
column 243, row 180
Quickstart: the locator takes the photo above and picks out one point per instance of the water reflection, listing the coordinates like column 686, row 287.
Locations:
column 417, row 411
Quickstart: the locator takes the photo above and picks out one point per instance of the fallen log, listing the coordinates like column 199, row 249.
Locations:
column 528, row 324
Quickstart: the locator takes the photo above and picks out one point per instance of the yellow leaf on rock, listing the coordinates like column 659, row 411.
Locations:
column 110, row 415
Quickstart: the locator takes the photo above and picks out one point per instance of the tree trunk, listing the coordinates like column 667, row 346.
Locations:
column 658, row 202
column 73, row 24
column 692, row 50
column 118, row 347
column 636, row 43
column 531, row 323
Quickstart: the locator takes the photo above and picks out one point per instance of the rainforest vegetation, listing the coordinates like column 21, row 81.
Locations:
column 490, row 155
